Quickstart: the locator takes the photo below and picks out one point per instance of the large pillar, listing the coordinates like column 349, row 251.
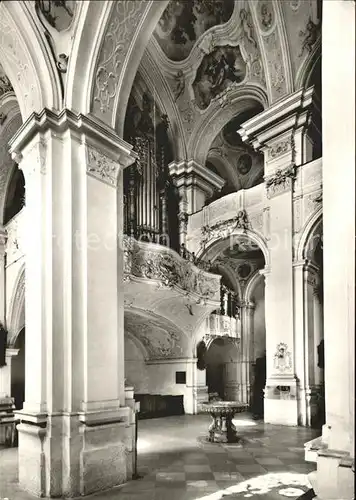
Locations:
column 335, row 452
column 305, row 280
column 74, row 436
column 280, row 133
column 195, row 184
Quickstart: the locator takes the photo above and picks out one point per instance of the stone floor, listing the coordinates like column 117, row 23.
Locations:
column 176, row 463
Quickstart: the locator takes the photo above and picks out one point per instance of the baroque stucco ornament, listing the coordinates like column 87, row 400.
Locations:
column 223, row 229
column 14, row 51
column 142, row 260
column 282, row 358
column 280, row 148
column 125, row 18
column 280, row 182
column 102, row 167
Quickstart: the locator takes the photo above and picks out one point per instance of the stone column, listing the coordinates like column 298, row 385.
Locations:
column 280, row 133
column 334, row 478
column 247, row 355
column 200, row 389
column 5, row 373
column 75, row 431
column 5, row 382
column 318, row 336
column 195, row 184
column 305, row 279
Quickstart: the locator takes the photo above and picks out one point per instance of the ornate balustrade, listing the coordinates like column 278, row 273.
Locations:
column 150, row 261
column 218, row 325
column 248, row 210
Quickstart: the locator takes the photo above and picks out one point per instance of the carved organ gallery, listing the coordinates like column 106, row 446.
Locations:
column 166, row 234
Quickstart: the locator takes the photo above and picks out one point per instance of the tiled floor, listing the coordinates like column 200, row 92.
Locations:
column 176, row 463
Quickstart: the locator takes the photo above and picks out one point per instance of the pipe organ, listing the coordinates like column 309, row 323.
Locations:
column 229, row 305
column 150, row 197
column 225, row 321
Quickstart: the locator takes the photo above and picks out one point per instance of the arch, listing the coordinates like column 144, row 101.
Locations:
column 110, row 40
column 217, row 116
column 136, row 341
column 160, row 92
column 10, row 109
column 307, row 67
column 251, row 285
column 153, row 77
column 16, row 312
column 308, row 229
column 226, row 269
column 213, row 248
column 25, row 57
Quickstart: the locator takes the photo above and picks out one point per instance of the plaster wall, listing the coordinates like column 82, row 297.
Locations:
column 135, row 368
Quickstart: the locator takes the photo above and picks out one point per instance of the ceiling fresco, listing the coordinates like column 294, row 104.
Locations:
column 58, row 14
column 234, row 160
column 183, row 22
column 5, row 84
column 218, row 70
column 161, row 339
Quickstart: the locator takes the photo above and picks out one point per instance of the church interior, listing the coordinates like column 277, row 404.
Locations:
column 177, row 262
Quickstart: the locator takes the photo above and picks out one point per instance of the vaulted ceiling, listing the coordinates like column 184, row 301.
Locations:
column 210, row 65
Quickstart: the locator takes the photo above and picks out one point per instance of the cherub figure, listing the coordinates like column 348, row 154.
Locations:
column 242, row 222
column 246, row 28
column 179, row 84
column 311, row 34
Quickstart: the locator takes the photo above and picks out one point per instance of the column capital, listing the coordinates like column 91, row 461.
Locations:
column 195, row 184
column 248, row 305
column 189, row 172
column 278, row 122
column 106, row 152
column 279, row 131
column 306, row 265
column 265, row 272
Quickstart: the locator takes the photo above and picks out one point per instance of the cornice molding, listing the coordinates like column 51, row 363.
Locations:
column 190, row 172
column 277, row 119
column 91, row 128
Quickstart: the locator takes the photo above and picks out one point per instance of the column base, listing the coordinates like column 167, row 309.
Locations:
column 200, row 395
column 280, row 401
column 70, row 455
column 233, row 392
column 334, row 478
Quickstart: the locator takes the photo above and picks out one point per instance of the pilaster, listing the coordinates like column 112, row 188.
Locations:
column 247, row 314
column 307, row 338
column 335, row 451
column 74, row 425
column 281, row 133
